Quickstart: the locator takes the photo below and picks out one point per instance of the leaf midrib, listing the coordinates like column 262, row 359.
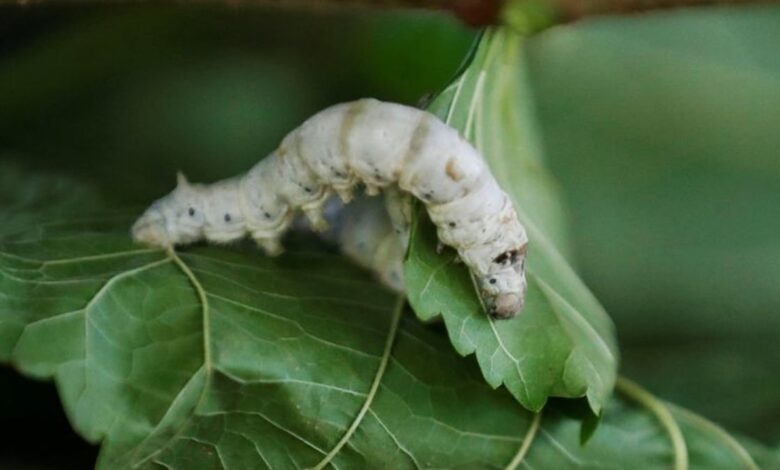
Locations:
column 391, row 336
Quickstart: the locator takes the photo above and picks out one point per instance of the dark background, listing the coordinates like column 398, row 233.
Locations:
column 663, row 130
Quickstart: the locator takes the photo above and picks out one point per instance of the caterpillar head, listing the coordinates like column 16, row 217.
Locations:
column 503, row 288
column 174, row 219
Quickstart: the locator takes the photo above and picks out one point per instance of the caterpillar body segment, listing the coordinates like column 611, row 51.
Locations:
column 381, row 146
column 398, row 208
column 366, row 234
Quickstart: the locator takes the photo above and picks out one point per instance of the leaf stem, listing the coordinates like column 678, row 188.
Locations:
column 527, row 441
column 716, row 430
column 204, row 302
column 391, row 335
column 662, row 413
column 207, row 364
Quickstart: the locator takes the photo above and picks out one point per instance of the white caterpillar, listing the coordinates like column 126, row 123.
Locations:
column 381, row 145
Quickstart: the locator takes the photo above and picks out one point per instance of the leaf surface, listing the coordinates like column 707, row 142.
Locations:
column 222, row 358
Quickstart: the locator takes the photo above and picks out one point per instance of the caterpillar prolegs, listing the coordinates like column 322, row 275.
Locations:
column 376, row 144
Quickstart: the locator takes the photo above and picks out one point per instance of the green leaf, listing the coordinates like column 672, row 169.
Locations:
column 663, row 135
column 223, row 358
column 224, row 354
column 563, row 343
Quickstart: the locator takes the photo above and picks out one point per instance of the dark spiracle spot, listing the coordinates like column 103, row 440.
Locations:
column 452, row 224
column 308, row 190
column 492, row 280
column 191, row 212
column 267, row 215
column 227, row 218
column 510, row 256
column 503, row 257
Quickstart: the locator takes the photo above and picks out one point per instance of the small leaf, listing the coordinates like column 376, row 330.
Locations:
column 563, row 342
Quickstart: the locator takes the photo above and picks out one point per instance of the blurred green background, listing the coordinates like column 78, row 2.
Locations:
column 663, row 130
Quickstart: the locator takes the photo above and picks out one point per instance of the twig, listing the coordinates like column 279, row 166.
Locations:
column 472, row 12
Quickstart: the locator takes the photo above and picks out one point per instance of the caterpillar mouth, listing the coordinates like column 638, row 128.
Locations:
column 150, row 230
column 506, row 306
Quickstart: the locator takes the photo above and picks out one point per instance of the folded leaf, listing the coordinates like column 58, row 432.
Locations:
column 563, row 343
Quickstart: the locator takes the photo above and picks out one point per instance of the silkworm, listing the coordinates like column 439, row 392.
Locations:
column 379, row 146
